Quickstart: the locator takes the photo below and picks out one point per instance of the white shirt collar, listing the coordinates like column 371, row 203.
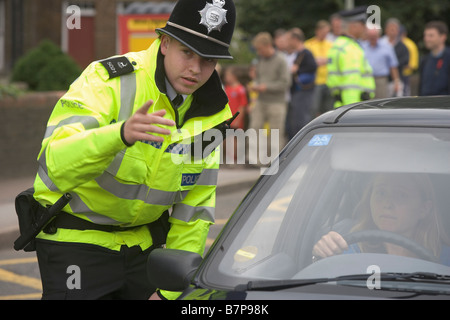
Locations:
column 171, row 93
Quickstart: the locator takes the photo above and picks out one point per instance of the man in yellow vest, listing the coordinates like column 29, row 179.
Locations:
column 350, row 76
column 125, row 142
column 319, row 46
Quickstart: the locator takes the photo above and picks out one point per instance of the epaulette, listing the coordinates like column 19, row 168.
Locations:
column 117, row 66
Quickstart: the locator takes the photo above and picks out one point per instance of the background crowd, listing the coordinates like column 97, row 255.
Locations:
column 286, row 85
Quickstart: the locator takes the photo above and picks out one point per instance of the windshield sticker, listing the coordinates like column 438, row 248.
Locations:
column 320, row 140
column 246, row 253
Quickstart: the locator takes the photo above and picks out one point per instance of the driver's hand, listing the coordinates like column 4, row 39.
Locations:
column 329, row 245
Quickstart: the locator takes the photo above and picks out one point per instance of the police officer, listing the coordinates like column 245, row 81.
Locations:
column 350, row 77
column 120, row 142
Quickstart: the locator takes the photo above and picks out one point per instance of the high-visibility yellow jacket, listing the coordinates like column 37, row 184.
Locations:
column 83, row 153
column 350, row 76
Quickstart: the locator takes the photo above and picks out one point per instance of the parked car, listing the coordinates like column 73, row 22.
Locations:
column 358, row 206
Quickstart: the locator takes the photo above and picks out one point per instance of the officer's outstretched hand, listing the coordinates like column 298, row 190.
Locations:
column 141, row 124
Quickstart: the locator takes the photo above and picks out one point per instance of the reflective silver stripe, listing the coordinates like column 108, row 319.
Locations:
column 127, row 98
column 88, row 122
column 78, row 206
column 340, row 49
column 334, row 73
column 188, row 213
column 350, row 86
column 43, row 172
column 127, row 95
column 208, row 177
column 139, row 191
column 125, row 191
column 165, row 198
column 114, row 166
column 151, row 196
column 159, row 197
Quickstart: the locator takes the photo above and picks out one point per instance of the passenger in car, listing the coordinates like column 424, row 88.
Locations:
column 403, row 203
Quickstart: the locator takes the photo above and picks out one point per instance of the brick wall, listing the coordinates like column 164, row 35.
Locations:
column 22, row 126
column 105, row 29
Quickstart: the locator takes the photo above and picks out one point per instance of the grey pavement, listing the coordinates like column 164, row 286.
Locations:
column 231, row 178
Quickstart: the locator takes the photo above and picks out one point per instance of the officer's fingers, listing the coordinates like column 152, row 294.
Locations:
column 145, row 107
column 144, row 136
column 149, row 128
column 150, row 137
column 134, row 131
column 157, row 118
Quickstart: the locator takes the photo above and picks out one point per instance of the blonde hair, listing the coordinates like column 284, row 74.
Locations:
column 262, row 38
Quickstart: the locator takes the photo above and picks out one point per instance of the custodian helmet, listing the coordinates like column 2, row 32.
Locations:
column 203, row 26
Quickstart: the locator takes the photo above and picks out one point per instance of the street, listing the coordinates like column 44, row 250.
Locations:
column 19, row 272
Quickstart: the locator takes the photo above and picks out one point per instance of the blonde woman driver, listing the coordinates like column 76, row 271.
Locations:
column 401, row 203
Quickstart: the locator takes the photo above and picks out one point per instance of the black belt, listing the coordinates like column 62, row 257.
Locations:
column 158, row 229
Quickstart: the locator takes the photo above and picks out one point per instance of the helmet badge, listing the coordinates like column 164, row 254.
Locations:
column 213, row 16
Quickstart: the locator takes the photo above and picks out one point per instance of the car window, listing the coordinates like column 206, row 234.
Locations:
column 347, row 181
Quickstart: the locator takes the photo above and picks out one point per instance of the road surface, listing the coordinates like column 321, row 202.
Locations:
column 19, row 272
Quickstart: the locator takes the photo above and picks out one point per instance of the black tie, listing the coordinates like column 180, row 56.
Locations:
column 177, row 101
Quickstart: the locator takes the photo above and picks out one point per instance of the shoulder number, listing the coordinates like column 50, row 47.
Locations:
column 117, row 66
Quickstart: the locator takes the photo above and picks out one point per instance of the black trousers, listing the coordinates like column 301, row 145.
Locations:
column 72, row 271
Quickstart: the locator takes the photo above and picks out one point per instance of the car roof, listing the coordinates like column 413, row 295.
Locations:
column 400, row 111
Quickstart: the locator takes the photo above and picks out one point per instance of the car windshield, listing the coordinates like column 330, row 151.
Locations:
column 386, row 191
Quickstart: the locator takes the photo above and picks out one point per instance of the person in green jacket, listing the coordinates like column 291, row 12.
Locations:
column 350, row 77
column 121, row 142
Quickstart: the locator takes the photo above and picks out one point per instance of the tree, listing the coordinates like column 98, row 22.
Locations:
column 254, row 16
column 46, row 67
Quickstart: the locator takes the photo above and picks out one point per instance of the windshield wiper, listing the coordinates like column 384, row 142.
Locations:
column 275, row 285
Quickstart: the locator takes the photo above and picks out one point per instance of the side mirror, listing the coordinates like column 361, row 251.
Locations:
column 171, row 269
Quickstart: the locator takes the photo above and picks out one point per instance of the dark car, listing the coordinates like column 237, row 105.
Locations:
column 357, row 206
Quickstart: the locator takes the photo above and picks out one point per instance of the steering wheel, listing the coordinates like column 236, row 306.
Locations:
column 391, row 237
